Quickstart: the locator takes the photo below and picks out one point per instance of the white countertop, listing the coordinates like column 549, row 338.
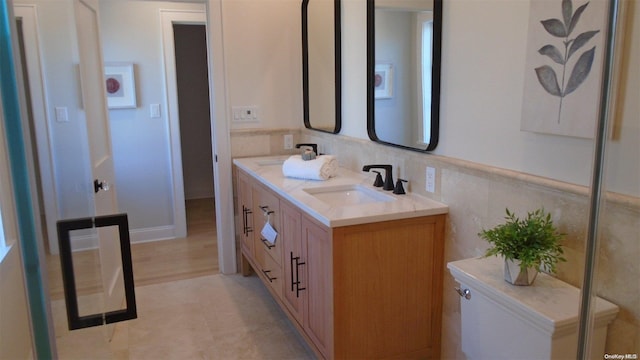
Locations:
column 404, row 206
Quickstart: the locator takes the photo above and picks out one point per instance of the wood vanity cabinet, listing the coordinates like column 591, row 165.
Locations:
column 362, row 291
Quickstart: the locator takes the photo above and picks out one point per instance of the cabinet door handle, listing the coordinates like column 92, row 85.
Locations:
column 265, row 210
column 291, row 259
column 267, row 244
column 297, row 282
column 266, row 273
column 245, row 220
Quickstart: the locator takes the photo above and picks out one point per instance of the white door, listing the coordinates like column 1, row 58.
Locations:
column 95, row 105
column 105, row 305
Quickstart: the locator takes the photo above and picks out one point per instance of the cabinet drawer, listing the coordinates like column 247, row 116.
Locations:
column 266, row 209
column 272, row 273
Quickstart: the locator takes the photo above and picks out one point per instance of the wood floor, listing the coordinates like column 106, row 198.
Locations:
column 153, row 262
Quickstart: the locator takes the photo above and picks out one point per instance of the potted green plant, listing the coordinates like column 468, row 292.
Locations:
column 527, row 245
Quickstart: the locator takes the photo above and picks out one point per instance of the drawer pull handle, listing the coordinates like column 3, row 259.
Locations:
column 296, row 264
column 245, row 220
column 466, row 293
column 265, row 210
column 266, row 273
column 267, row 244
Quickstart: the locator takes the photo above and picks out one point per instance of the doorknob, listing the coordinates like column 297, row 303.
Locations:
column 100, row 185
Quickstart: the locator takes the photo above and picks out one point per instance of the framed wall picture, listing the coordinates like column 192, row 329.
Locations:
column 563, row 70
column 383, row 81
column 121, row 85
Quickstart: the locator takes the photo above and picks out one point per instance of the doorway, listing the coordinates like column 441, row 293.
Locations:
column 192, row 74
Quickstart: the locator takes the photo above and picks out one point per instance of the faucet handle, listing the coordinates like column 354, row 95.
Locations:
column 399, row 189
column 388, row 177
column 378, row 182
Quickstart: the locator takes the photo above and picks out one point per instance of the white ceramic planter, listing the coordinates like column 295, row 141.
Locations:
column 513, row 274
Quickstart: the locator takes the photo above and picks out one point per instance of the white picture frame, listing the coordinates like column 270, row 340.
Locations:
column 563, row 72
column 120, row 85
column 383, row 81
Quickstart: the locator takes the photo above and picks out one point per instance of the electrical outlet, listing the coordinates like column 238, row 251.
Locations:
column 288, row 142
column 431, row 179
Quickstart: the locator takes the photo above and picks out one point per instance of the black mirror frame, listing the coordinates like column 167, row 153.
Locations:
column 435, row 80
column 338, row 67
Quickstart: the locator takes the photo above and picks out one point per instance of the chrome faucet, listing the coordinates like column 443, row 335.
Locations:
column 388, row 177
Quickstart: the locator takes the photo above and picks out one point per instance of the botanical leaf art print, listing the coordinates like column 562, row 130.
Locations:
column 563, row 69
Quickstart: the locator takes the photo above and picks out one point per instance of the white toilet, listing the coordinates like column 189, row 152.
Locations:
column 503, row 321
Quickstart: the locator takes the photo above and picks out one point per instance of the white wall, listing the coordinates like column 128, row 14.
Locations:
column 354, row 69
column 131, row 32
column 263, row 58
column 481, row 96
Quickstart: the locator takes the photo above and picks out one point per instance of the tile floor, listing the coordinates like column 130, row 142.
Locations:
column 209, row 317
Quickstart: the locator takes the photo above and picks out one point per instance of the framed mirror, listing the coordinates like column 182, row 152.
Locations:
column 321, row 67
column 403, row 72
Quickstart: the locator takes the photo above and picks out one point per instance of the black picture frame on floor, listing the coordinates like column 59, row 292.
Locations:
column 64, row 228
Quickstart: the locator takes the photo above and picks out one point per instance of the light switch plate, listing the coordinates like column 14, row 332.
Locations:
column 62, row 114
column 245, row 114
column 431, row 179
column 154, row 111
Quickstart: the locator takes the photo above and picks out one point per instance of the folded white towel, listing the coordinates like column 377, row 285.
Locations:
column 322, row 167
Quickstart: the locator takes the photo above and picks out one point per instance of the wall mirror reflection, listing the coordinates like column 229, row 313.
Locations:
column 321, row 69
column 403, row 72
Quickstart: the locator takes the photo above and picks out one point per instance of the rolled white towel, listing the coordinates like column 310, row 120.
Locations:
column 322, row 167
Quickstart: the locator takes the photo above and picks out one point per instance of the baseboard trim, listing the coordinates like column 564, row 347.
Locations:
column 88, row 242
column 152, row 234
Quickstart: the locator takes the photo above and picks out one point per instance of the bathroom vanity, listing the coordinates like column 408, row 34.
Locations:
column 358, row 270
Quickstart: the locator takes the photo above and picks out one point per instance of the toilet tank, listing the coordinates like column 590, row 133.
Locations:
column 504, row 321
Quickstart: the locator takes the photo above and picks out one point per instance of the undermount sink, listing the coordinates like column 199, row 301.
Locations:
column 348, row 195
